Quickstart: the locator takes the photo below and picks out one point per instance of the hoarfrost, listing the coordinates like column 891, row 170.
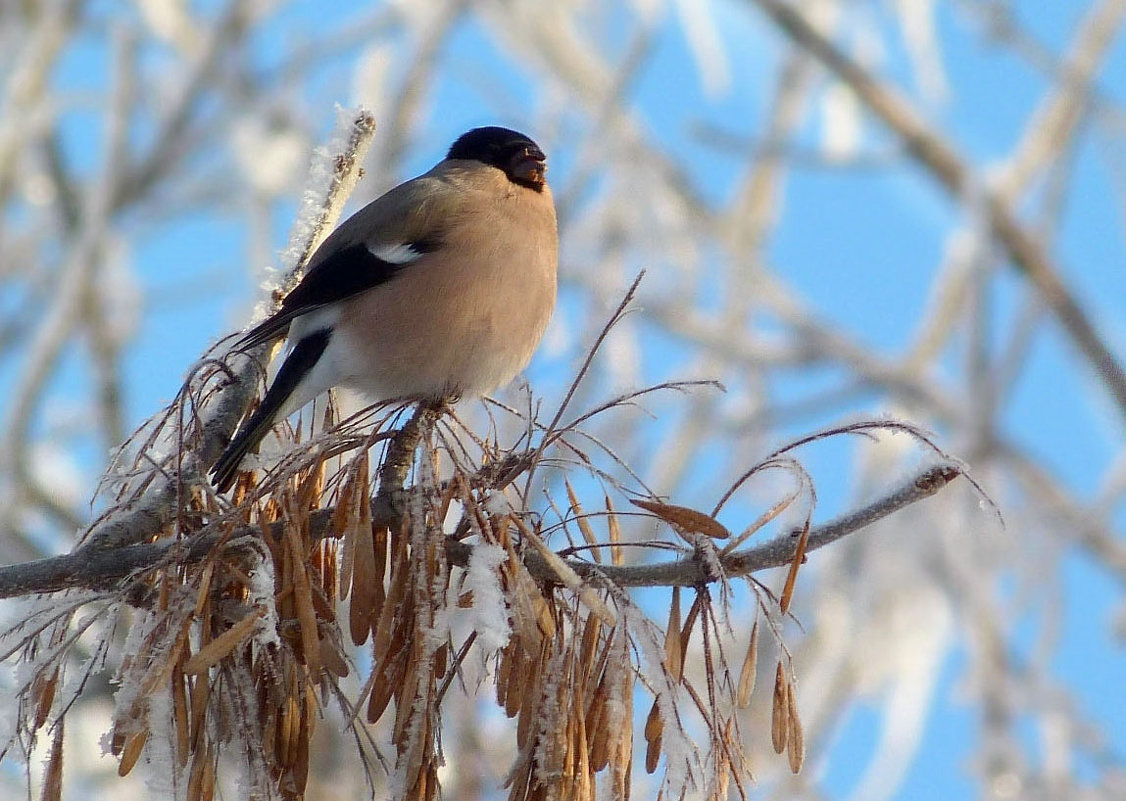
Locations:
column 322, row 170
column 161, row 769
column 682, row 757
column 261, row 595
column 490, row 612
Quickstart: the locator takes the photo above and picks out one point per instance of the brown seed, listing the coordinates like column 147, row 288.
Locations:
column 201, row 693
column 204, row 588
column 689, row 622
column 380, row 697
column 504, row 672
column 795, row 746
column 673, row 660
column 195, row 777
column 309, row 711
column 600, row 733
column 652, row 755
column 397, row 604
column 545, row 620
column 406, row 697
column 599, row 750
column 583, row 523
column 207, row 785
column 288, row 719
column 224, row 644
column 749, row 672
column 387, row 680
column 587, row 649
column 300, row 769
column 342, row 521
column 792, row 575
column 654, row 723
column 518, row 678
column 328, row 572
column 779, row 718
column 441, row 657
column 132, row 750
column 379, row 591
column 297, row 733
column 303, row 600
column 621, row 763
column 683, row 519
column 53, row 775
column 43, row 691
column 363, row 583
column 181, row 718
column 117, row 740
column 614, row 530
column 529, row 720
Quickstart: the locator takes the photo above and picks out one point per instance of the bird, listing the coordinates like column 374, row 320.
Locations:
column 439, row 289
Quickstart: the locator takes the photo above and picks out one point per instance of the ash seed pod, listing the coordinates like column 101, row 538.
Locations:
column 779, row 718
column 132, row 751
column 749, row 672
column 795, row 746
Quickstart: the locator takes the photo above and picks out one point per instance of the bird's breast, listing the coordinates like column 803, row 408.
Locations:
column 462, row 320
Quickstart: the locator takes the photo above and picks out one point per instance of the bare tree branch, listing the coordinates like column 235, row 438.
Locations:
column 950, row 169
column 98, row 568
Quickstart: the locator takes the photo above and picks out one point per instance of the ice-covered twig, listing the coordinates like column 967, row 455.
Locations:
column 335, row 171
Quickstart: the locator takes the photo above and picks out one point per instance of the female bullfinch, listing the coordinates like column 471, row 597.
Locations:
column 439, row 289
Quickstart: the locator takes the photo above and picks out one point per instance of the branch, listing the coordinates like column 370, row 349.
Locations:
column 155, row 508
column 101, row 568
column 947, row 166
column 400, row 456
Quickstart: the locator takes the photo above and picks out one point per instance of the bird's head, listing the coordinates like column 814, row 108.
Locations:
column 511, row 152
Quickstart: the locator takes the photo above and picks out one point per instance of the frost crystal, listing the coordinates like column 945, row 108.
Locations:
column 161, row 769
column 490, row 613
column 262, row 595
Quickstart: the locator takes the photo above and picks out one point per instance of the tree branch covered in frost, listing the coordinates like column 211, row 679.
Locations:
column 101, row 568
column 334, row 173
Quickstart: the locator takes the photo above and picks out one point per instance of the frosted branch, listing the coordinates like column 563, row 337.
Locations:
column 98, row 569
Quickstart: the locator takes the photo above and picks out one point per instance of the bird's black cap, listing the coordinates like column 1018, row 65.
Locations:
column 510, row 151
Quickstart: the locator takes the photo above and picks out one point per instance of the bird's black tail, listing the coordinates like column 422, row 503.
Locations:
column 225, row 470
column 295, row 367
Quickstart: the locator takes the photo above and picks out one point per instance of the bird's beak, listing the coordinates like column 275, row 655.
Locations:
column 529, row 166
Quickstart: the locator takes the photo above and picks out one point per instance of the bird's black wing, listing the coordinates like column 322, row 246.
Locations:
column 361, row 255
column 345, row 273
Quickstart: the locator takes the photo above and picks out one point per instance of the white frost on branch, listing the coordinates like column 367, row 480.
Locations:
column 308, row 229
column 490, row 613
column 262, row 594
column 682, row 757
column 163, row 776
